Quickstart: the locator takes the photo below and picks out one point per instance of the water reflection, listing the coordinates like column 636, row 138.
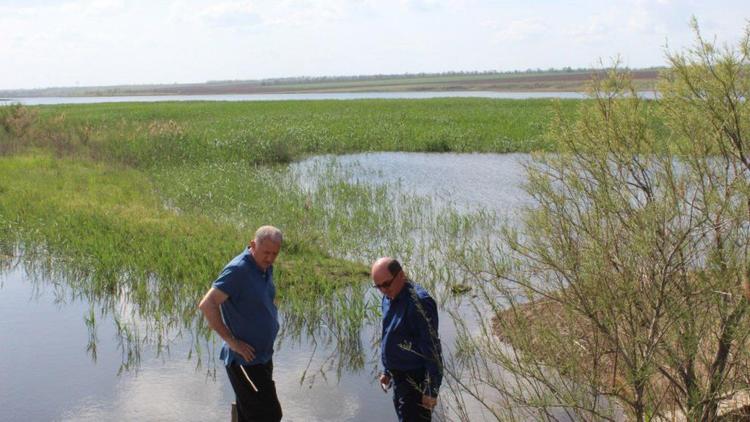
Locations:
column 445, row 206
column 466, row 182
column 44, row 351
column 166, row 382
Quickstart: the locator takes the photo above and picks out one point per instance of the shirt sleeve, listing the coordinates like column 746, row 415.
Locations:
column 227, row 281
column 385, row 369
column 429, row 342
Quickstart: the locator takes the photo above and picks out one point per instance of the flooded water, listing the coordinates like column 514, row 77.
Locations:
column 464, row 181
column 46, row 372
column 283, row 97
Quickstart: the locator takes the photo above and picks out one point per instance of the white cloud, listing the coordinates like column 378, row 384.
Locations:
column 157, row 392
column 521, row 30
column 648, row 18
column 282, row 13
column 85, row 8
column 422, row 5
column 105, row 7
column 229, row 14
column 597, row 28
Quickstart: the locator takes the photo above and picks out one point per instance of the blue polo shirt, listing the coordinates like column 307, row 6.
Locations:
column 249, row 311
column 410, row 335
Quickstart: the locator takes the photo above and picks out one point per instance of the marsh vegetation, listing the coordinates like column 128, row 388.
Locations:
column 143, row 203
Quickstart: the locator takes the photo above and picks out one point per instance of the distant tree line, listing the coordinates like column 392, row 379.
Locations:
column 451, row 73
column 150, row 89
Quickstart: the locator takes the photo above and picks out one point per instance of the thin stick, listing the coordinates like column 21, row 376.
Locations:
column 252, row 384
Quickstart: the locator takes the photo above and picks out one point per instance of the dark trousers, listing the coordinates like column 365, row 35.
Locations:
column 252, row 406
column 407, row 396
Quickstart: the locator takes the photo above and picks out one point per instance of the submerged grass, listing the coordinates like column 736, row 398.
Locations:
column 111, row 224
column 105, row 231
column 146, row 202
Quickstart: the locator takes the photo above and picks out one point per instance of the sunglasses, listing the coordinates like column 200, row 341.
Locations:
column 385, row 284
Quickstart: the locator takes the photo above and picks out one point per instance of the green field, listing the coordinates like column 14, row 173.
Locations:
column 150, row 200
column 141, row 133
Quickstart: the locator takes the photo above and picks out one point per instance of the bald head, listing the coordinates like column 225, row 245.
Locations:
column 386, row 266
column 388, row 276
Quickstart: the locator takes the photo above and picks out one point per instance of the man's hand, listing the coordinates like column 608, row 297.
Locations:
column 385, row 382
column 429, row 402
column 243, row 349
column 210, row 306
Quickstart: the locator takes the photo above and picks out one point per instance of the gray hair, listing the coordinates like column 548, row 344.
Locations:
column 268, row 233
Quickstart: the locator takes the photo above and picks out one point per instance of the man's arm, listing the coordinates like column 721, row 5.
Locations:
column 385, row 374
column 210, row 306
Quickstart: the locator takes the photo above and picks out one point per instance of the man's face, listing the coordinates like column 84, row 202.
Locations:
column 265, row 252
column 386, row 283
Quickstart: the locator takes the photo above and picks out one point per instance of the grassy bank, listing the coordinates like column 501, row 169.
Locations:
column 224, row 161
column 106, row 232
column 163, row 133
column 214, row 170
column 149, row 201
column 178, row 163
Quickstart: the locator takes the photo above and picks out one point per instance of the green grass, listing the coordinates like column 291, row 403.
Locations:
column 127, row 185
column 112, row 227
column 181, row 132
column 148, row 201
column 105, row 231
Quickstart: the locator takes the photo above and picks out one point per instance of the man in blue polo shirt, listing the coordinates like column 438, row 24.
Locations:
column 410, row 348
column 240, row 308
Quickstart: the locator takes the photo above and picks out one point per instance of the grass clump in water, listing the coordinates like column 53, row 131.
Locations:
column 147, row 202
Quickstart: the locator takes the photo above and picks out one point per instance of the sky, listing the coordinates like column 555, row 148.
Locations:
column 111, row 42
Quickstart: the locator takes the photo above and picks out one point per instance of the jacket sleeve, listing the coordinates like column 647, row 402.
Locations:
column 385, row 370
column 428, row 342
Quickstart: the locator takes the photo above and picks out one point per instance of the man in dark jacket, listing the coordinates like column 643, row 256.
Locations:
column 410, row 348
